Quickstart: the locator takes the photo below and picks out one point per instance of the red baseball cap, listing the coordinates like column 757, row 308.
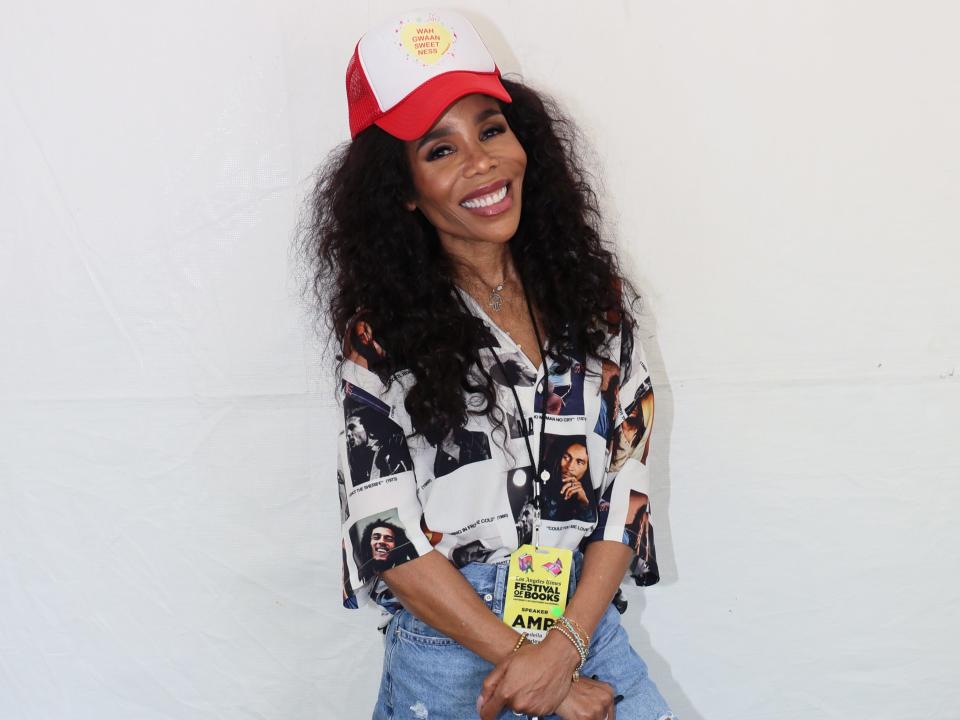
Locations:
column 405, row 73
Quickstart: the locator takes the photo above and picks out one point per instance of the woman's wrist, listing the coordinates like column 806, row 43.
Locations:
column 560, row 647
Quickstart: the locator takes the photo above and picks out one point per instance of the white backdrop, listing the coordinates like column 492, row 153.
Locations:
column 783, row 177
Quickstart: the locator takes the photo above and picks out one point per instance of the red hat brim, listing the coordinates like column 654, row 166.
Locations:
column 413, row 116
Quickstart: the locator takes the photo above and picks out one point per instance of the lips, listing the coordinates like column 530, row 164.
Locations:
column 380, row 552
column 485, row 190
column 489, row 200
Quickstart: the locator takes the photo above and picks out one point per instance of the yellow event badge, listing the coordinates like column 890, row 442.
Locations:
column 537, row 584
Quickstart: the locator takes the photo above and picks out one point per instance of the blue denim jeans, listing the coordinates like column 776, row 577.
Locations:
column 429, row 676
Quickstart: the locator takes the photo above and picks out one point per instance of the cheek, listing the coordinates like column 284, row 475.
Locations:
column 431, row 186
column 519, row 158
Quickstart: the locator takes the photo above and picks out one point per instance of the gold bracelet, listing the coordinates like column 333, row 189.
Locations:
column 523, row 636
column 581, row 651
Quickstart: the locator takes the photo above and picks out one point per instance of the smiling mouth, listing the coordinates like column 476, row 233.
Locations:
column 492, row 203
column 382, row 550
column 486, row 200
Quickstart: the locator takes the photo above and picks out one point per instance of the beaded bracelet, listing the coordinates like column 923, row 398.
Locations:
column 577, row 643
column 579, row 629
column 523, row 636
column 575, row 638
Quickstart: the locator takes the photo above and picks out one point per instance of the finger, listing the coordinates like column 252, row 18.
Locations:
column 489, row 685
column 492, row 708
column 492, row 679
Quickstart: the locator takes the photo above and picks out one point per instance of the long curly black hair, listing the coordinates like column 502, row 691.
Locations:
column 372, row 259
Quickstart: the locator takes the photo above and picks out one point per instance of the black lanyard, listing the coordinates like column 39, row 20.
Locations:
column 541, row 474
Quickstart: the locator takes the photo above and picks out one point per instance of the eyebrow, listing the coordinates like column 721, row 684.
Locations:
column 442, row 130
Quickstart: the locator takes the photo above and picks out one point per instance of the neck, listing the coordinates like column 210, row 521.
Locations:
column 490, row 263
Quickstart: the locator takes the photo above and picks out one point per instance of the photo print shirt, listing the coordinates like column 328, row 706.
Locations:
column 470, row 497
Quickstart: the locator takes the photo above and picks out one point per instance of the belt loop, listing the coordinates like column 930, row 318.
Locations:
column 500, row 588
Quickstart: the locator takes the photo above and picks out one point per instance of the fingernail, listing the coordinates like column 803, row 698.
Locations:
column 594, row 677
column 617, row 699
column 479, row 703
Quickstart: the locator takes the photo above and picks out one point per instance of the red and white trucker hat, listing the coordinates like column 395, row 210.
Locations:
column 405, row 73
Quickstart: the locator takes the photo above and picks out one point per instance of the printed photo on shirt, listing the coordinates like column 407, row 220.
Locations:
column 349, row 599
column 516, row 371
column 564, row 394
column 609, row 396
column 603, row 513
column 474, row 551
column 569, row 493
column 520, row 493
column 460, row 447
column 342, row 492
column 359, row 343
column 638, row 533
column 376, row 446
column 433, row 537
column 515, row 423
column 379, row 543
column 632, row 437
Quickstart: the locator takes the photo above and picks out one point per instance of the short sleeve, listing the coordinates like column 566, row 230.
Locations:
column 379, row 506
column 624, row 510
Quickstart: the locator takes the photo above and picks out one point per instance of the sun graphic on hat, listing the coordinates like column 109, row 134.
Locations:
column 426, row 42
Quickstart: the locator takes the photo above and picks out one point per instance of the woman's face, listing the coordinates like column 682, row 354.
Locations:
column 468, row 173
column 382, row 543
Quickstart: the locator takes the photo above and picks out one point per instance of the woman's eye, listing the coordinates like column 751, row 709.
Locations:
column 491, row 131
column 439, row 152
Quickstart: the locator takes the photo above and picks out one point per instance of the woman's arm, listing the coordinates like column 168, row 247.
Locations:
column 436, row 592
column 604, row 565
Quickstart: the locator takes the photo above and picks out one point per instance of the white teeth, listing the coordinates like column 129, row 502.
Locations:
column 486, row 200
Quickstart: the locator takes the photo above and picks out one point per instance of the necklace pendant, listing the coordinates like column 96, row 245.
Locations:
column 496, row 299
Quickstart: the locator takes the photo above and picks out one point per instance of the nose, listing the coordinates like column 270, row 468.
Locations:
column 478, row 161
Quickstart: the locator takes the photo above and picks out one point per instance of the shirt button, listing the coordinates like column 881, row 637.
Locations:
column 545, row 475
column 488, row 597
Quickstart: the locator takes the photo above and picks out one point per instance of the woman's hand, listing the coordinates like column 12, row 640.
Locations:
column 534, row 680
column 588, row 700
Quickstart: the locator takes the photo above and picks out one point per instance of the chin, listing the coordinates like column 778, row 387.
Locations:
column 498, row 235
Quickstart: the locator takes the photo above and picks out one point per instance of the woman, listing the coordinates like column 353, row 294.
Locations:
column 455, row 237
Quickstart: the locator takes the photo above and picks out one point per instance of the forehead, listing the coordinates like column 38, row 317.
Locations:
column 577, row 450
column 470, row 104
column 468, row 110
column 382, row 531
